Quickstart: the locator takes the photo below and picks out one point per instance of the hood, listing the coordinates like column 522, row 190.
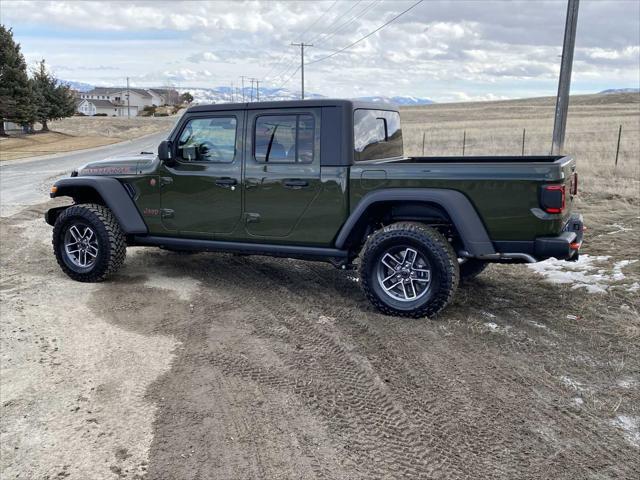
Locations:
column 121, row 165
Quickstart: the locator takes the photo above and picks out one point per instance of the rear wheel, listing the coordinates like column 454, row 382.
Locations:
column 471, row 268
column 88, row 242
column 409, row 269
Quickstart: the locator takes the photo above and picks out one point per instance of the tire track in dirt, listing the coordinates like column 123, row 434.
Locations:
column 394, row 440
column 579, row 425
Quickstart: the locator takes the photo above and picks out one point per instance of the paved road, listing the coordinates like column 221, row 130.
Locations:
column 26, row 182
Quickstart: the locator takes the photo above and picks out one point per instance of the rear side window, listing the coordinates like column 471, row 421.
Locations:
column 284, row 139
column 376, row 134
column 208, row 140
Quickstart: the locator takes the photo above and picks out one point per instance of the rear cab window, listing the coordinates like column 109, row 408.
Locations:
column 211, row 139
column 376, row 134
column 284, row 138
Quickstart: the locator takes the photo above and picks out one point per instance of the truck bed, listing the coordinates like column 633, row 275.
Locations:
column 505, row 190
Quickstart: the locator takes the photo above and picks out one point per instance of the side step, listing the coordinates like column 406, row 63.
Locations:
column 332, row 255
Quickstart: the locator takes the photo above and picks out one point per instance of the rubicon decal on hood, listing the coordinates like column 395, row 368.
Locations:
column 111, row 170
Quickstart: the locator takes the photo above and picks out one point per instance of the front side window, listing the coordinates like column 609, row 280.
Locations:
column 284, row 138
column 376, row 134
column 208, row 140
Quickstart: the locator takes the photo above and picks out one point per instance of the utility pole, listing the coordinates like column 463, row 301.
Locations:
column 242, row 77
column 232, row 98
column 128, row 102
column 302, row 45
column 251, row 89
column 564, row 83
column 257, row 89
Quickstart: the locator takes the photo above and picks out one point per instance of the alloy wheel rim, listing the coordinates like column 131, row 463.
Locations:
column 81, row 245
column 403, row 274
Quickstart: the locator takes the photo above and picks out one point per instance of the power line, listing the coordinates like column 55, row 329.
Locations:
column 318, row 19
column 280, row 62
column 361, row 13
column 288, row 79
column 337, row 19
column 367, row 35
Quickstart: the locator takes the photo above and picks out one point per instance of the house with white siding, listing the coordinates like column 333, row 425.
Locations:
column 107, row 107
column 136, row 98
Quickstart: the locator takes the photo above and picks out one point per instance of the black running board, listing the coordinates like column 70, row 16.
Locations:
column 333, row 255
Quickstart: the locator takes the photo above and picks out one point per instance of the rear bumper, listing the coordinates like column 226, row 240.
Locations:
column 566, row 246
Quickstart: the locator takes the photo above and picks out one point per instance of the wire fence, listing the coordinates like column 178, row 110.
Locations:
column 615, row 145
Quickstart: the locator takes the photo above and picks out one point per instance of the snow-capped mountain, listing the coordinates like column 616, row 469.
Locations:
column 79, row 86
column 223, row 95
column 399, row 100
column 619, row 90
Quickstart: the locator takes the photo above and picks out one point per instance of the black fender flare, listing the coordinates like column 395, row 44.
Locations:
column 464, row 216
column 112, row 193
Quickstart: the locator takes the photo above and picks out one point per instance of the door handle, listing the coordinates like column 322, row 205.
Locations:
column 226, row 182
column 295, row 183
column 165, row 181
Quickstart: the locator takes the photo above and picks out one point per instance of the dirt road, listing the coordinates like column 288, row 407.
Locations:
column 221, row 367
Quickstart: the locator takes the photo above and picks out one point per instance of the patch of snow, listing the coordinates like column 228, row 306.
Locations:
column 587, row 272
column 578, row 401
column 630, row 428
column 325, row 320
column 488, row 315
column 627, row 383
column 538, row 325
column 634, row 287
column 569, row 382
column 620, row 228
column 491, row 326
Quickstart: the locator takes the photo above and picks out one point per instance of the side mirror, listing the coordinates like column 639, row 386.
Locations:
column 164, row 152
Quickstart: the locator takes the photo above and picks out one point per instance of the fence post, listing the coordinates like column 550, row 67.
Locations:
column 464, row 141
column 423, row 134
column 618, row 147
column 524, row 133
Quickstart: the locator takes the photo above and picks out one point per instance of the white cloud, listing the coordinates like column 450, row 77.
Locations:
column 487, row 49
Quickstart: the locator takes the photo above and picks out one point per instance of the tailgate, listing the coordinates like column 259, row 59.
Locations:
column 568, row 168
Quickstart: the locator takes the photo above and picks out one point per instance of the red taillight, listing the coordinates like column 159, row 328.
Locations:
column 553, row 198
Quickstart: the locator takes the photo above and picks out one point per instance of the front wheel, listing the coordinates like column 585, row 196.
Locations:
column 409, row 269
column 88, row 242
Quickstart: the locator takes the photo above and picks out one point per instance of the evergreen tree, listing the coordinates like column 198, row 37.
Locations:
column 52, row 100
column 43, row 87
column 15, row 89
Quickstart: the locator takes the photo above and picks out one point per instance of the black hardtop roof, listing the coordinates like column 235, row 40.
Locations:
column 324, row 102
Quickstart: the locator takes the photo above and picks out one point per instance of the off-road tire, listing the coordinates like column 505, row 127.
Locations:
column 471, row 268
column 433, row 246
column 112, row 245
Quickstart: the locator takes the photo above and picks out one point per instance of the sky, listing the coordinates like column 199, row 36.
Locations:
column 443, row 50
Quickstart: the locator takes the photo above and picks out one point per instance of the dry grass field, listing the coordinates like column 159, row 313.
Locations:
column 496, row 128
column 77, row 133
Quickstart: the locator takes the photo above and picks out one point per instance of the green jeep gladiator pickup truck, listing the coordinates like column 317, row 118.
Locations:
column 320, row 180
